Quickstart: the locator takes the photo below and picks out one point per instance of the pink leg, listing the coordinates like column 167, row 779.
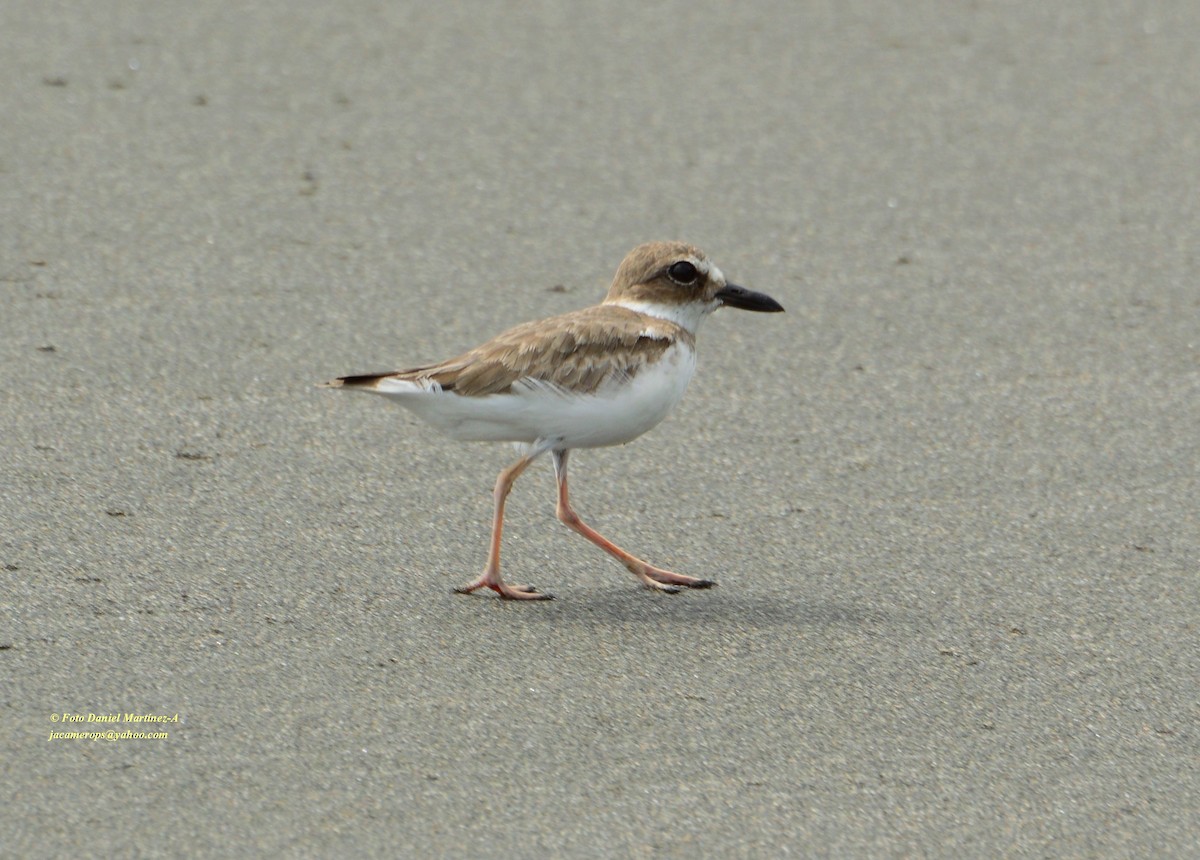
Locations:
column 491, row 573
column 651, row 576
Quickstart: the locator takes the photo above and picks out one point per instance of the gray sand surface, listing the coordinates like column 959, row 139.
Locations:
column 951, row 497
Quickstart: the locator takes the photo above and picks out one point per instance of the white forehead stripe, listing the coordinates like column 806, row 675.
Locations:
column 708, row 270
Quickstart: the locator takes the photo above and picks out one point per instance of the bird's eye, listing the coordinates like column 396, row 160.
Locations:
column 683, row 273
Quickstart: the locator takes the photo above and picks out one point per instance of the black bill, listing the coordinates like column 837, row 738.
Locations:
column 748, row 300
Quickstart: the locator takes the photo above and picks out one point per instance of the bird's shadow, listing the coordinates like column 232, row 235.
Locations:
column 702, row 608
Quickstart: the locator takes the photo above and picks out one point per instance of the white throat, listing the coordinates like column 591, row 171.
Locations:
column 688, row 315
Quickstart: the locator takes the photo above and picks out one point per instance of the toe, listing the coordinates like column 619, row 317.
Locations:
column 512, row 591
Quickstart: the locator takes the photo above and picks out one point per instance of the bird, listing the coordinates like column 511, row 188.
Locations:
column 594, row 377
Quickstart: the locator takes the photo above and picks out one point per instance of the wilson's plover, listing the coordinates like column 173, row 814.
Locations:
column 599, row 376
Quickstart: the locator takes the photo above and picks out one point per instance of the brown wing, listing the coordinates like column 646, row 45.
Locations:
column 579, row 350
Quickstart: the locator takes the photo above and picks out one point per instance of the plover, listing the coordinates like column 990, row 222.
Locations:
column 599, row 376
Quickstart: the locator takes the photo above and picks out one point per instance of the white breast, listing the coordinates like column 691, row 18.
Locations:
column 618, row 411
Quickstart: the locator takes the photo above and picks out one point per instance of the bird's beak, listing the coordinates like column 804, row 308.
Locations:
column 748, row 300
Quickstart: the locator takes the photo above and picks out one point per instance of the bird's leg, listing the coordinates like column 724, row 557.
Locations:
column 651, row 576
column 491, row 572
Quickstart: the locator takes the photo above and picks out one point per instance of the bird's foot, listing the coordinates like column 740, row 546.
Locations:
column 667, row 581
column 508, row 591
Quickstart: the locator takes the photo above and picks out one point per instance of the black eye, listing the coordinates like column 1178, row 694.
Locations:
column 683, row 273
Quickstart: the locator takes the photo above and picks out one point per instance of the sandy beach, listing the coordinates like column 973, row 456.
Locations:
column 950, row 497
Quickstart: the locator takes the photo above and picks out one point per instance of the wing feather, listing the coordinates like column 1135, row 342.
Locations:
column 580, row 350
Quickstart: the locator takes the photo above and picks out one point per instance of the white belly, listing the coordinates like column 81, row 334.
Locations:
column 618, row 411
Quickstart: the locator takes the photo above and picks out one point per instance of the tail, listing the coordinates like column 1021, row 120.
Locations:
column 366, row 380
